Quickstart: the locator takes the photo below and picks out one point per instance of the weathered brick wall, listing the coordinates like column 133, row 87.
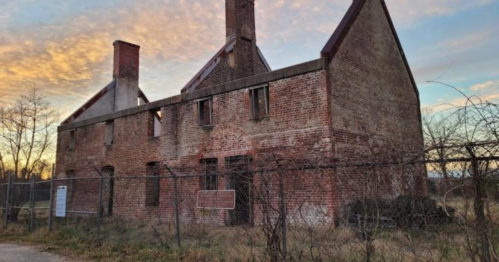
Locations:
column 298, row 121
column 374, row 107
column 132, row 149
column 362, row 109
column 298, row 127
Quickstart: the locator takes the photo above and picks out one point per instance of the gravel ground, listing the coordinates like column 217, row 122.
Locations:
column 19, row 253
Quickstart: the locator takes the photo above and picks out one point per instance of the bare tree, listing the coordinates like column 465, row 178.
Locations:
column 476, row 140
column 27, row 132
column 441, row 129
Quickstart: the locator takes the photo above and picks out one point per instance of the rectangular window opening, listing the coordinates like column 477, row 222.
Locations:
column 70, row 175
column 152, row 184
column 209, row 178
column 155, row 124
column 205, row 112
column 259, row 101
column 109, row 136
column 72, row 139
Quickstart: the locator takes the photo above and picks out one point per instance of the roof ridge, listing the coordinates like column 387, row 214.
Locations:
column 90, row 102
column 209, row 66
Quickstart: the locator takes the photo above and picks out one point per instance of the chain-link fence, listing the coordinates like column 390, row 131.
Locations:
column 273, row 208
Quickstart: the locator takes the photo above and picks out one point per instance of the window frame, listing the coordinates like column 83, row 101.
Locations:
column 70, row 176
column 156, row 186
column 254, row 106
column 155, row 115
column 200, row 111
column 109, row 141
column 209, row 180
column 72, row 139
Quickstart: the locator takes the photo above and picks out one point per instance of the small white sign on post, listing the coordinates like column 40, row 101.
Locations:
column 60, row 203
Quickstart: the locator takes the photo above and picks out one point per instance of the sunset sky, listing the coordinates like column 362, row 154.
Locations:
column 64, row 47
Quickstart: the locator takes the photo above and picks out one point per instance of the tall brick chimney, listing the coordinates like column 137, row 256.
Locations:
column 126, row 60
column 126, row 74
column 240, row 19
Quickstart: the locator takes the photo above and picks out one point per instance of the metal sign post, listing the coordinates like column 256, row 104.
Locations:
column 60, row 205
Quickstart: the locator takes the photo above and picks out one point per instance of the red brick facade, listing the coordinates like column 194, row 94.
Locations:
column 361, row 101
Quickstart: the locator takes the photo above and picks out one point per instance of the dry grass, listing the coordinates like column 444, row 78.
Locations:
column 156, row 241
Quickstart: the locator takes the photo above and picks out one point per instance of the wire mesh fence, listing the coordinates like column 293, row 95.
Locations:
column 274, row 208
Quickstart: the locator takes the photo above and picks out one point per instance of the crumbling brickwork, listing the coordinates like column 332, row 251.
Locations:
column 374, row 105
column 357, row 103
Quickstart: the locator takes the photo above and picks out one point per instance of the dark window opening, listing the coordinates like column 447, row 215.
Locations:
column 108, row 194
column 259, row 98
column 70, row 175
column 72, row 139
column 154, row 128
column 205, row 112
column 152, row 184
column 209, row 179
column 109, row 136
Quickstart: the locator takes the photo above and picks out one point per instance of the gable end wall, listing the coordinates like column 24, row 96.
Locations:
column 374, row 105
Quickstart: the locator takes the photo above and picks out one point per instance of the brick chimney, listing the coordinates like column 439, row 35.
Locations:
column 126, row 60
column 126, row 74
column 240, row 19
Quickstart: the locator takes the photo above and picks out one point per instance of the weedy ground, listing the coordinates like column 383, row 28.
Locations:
column 157, row 241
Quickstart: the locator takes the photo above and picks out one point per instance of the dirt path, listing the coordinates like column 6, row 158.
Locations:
column 19, row 253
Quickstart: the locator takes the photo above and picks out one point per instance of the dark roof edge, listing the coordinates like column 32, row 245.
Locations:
column 209, row 66
column 90, row 102
column 399, row 44
column 264, row 61
column 334, row 43
column 300, row 69
column 346, row 23
column 404, row 59
column 143, row 96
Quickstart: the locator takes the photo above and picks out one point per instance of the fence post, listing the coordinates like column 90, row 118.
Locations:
column 282, row 210
column 479, row 205
column 177, row 220
column 7, row 200
column 99, row 210
column 51, row 199
column 32, row 203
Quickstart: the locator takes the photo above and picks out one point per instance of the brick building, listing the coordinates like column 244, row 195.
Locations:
column 358, row 95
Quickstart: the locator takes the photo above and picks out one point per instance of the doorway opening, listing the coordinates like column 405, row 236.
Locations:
column 240, row 179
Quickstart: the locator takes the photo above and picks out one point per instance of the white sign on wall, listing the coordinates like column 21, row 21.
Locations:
column 60, row 203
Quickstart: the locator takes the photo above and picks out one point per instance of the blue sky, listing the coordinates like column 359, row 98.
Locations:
column 64, row 47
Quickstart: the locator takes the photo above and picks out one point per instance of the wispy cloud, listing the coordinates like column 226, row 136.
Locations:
column 410, row 12
column 487, row 86
column 69, row 54
column 480, row 92
column 65, row 47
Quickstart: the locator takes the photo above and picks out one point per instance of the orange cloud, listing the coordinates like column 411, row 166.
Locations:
column 70, row 55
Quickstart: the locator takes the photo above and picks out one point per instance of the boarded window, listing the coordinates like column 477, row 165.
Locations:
column 209, row 179
column 109, row 136
column 205, row 112
column 259, row 98
column 152, row 184
column 72, row 139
